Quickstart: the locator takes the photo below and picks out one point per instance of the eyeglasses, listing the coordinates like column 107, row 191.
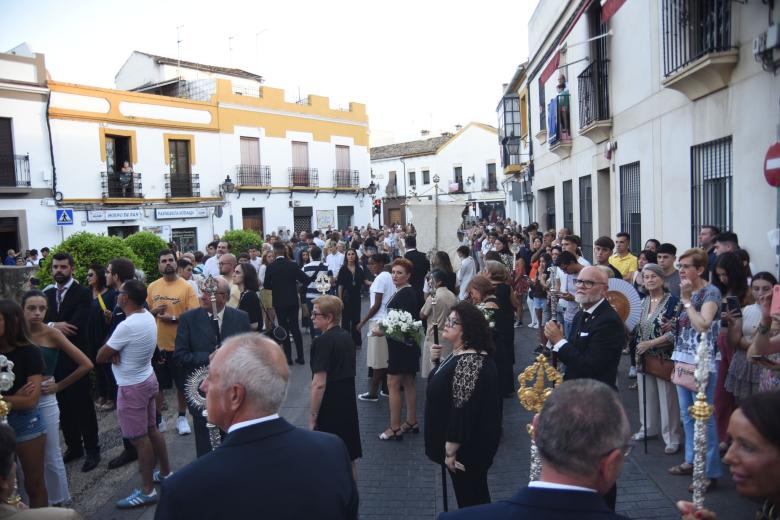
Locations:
column 588, row 284
column 684, row 266
column 315, row 314
column 90, row 275
column 451, row 322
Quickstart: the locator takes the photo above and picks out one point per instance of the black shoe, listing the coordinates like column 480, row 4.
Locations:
column 91, row 462
column 71, row 455
column 289, row 361
column 300, row 361
column 126, row 457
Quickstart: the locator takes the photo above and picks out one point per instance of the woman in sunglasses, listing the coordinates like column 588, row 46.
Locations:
column 462, row 417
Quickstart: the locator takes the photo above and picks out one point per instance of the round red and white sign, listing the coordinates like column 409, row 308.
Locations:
column 772, row 165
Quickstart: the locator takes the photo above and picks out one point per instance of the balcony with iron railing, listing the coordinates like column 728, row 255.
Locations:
column 456, row 187
column 182, row 186
column 15, row 171
column 593, row 90
column 559, row 125
column 303, row 178
column 698, row 53
column 125, row 185
column 490, row 184
column 249, row 176
column 346, row 179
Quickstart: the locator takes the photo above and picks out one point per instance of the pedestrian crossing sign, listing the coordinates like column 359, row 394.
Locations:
column 65, row 217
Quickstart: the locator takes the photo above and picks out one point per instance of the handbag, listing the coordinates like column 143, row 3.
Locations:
column 657, row 366
column 683, row 375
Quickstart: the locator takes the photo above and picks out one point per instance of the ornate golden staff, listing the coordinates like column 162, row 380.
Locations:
column 701, row 412
column 533, row 397
column 6, row 382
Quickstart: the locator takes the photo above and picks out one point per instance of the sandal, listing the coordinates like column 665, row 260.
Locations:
column 681, row 469
column 406, row 427
column 395, row 435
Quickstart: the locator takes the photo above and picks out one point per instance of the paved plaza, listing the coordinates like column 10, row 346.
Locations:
column 396, row 480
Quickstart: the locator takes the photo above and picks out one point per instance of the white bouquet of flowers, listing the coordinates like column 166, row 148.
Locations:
column 489, row 314
column 400, row 326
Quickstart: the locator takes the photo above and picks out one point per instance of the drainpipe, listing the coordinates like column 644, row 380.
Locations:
column 54, row 191
column 404, row 203
column 529, row 203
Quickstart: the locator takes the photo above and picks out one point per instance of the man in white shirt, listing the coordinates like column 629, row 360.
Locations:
column 317, row 239
column 212, row 264
column 465, row 272
column 254, row 258
column 583, row 436
column 335, row 260
column 130, row 350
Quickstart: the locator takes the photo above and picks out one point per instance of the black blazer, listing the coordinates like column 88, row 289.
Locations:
column 269, row 470
column 420, row 268
column 541, row 504
column 196, row 337
column 281, row 276
column 74, row 310
column 594, row 345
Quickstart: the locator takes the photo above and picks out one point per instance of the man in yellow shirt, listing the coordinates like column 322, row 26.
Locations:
column 623, row 260
column 168, row 298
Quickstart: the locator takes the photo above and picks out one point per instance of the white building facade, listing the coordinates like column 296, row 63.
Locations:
column 464, row 162
column 653, row 118
column 196, row 169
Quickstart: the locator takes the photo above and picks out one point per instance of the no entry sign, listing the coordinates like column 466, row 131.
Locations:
column 772, row 165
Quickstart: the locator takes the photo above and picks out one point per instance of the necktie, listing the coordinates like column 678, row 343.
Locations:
column 60, row 292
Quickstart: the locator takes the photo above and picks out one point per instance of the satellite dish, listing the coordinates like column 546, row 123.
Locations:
column 218, row 211
column 625, row 300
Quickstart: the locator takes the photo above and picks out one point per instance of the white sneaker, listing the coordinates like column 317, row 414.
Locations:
column 161, row 426
column 183, row 426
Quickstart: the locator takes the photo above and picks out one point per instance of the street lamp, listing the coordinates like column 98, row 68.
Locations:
column 371, row 189
column 227, row 186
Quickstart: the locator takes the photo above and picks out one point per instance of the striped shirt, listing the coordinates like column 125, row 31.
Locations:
column 312, row 269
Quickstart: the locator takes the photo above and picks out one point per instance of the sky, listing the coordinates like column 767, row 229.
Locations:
column 417, row 65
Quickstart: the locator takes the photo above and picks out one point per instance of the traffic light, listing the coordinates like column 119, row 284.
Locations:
column 377, row 206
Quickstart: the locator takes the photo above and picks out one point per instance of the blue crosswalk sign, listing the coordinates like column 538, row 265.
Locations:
column 65, row 217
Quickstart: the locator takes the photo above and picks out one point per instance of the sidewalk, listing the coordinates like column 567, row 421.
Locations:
column 396, row 480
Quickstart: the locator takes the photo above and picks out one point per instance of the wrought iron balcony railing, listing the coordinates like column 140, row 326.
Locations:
column 693, row 28
column 559, row 120
column 121, row 184
column 489, row 185
column 346, row 178
column 303, row 177
column 15, row 171
column 253, row 175
column 594, row 93
column 177, row 185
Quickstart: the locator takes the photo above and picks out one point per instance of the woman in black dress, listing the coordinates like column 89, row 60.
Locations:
column 403, row 361
column 350, row 281
column 505, row 330
column 462, row 418
column 245, row 277
column 333, row 404
column 441, row 260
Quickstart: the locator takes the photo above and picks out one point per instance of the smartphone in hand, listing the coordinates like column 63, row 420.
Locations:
column 732, row 304
column 775, row 308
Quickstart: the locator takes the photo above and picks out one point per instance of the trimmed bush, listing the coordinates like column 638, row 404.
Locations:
column 241, row 240
column 147, row 246
column 86, row 249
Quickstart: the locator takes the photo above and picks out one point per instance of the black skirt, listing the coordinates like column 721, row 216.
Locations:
column 338, row 414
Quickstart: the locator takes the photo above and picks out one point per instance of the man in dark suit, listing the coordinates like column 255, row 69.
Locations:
column 282, row 276
column 197, row 339
column 420, row 265
column 583, row 435
column 596, row 338
column 265, row 467
column 69, row 304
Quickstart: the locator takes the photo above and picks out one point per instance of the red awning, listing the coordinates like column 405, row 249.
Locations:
column 552, row 66
column 609, row 8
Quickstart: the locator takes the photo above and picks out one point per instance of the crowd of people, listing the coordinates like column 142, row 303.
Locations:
column 240, row 314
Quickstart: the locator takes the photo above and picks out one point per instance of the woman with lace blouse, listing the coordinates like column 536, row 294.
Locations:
column 462, row 418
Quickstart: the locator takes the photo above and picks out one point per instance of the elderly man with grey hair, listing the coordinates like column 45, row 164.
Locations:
column 583, row 435
column 199, row 334
column 265, row 466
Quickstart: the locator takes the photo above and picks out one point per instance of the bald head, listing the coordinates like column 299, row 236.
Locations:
column 592, row 285
column 227, row 263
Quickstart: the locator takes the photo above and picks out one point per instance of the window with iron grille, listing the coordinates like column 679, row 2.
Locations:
column 568, row 206
column 693, row 28
column 586, row 217
column 426, row 174
column 630, row 207
column 492, row 182
column 542, row 113
column 412, row 178
column 548, row 196
column 711, row 186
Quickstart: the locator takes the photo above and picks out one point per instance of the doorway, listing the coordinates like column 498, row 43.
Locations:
column 186, row 239
column 122, row 231
column 9, row 235
column 253, row 220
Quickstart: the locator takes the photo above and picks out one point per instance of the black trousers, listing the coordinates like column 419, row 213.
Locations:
column 350, row 317
column 288, row 318
column 471, row 487
column 77, row 417
column 202, row 440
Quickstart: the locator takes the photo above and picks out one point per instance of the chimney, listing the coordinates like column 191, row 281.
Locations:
column 458, row 128
column 425, row 133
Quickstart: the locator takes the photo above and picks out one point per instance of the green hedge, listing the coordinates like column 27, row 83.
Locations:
column 241, row 240
column 147, row 246
column 87, row 249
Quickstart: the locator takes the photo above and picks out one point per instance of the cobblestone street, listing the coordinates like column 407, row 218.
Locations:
column 396, row 480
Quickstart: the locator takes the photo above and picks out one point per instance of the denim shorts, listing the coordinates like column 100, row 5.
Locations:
column 540, row 303
column 27, row 424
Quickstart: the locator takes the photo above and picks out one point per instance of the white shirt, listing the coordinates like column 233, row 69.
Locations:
column 135, row 339
column 582, row 261
column 261, row 274
column 589, row 310
column 335, row 261
column 211, row 267
column 465, row 274
column 538, row 484
column 256, row 263
column 319, row 242
column 252, row 422
column 383, row 283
